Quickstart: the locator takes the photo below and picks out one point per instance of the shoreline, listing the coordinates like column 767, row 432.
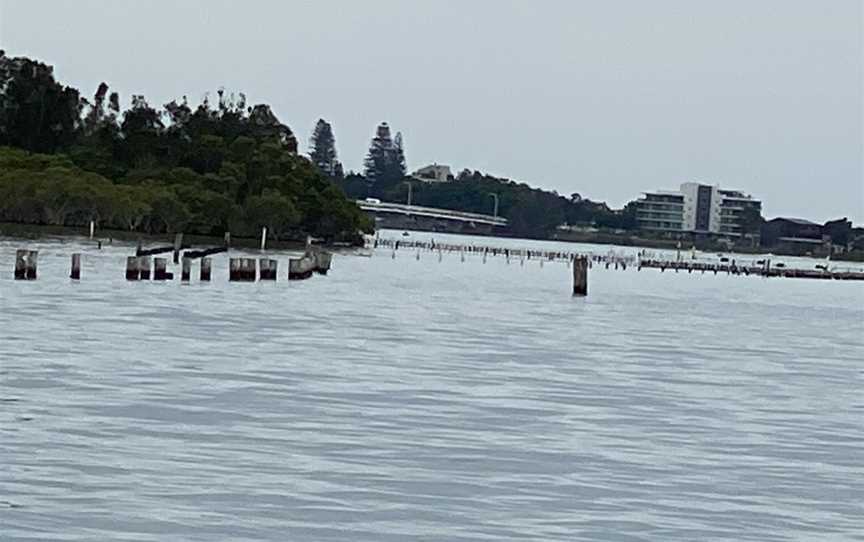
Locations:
column 39, row 231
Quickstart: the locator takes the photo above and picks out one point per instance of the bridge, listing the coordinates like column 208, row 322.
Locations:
column 397, row 214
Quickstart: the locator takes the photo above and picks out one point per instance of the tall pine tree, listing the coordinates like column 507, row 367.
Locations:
column 385, row 161
column 323, row 152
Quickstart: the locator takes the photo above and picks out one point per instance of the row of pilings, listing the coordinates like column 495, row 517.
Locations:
column 759, row 268
column 145, row 267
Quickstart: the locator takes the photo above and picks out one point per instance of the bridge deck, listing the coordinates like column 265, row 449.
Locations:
column 431, row 212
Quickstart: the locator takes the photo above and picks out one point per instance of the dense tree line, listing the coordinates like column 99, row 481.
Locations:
column 214, row 167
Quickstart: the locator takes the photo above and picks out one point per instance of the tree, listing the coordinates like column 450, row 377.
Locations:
column 385, row 162
column 323, row 153
column 36, row 112
column 397, row 163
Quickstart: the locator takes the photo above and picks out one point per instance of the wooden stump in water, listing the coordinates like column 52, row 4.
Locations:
column 267, row 269
column 144, row 267
column 75, row 274
column 178, row 244
column 580, row 276
column 241, row 269
column 186, row 270
column 132, row 270
column 205, row 270
column 160, row 269
column 26, row 264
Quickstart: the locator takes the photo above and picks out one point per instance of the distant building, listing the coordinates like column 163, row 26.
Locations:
column 697, row 208
column 433, row 174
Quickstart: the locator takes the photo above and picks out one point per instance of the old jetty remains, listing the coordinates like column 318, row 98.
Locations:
column 138, row 266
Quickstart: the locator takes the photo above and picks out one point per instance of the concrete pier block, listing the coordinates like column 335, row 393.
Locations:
column 75, row 273
column 205, row 269
column 580, row 276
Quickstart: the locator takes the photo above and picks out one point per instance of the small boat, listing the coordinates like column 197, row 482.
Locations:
column 405, row 234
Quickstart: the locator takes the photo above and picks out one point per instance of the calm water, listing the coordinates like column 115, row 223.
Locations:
column 417, row 400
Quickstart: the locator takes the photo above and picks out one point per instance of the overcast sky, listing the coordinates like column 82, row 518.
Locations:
column 607, row 99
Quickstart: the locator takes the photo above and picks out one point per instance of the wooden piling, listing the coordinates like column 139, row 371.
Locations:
column 160, row 269
column 263, row 238
column 75, row 274
column 25, row 264
column 132, row 272
column 267, row 269
column 205, row 270
column 186, row 270
column 580, row 276
column 144, row 267
column 178, row 244
column 241, row 270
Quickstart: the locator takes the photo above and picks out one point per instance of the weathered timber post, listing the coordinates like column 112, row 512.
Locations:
column 75, row 274
column 132, row 268
column 263, row 238
column 186, row 270
column 205, row 270
column 178, row 243
column 249, row 269
column 227, row 239
column 160, row 269
column 25, row 264
column 92, row 229
column 144, row 267
column 267, row 269
column 580, row 276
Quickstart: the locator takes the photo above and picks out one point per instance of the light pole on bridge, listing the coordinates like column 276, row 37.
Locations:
column 495, row 197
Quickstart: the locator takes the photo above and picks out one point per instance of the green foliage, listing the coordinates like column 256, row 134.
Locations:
column 323, row 153
column 385, row 162
column 177, row 169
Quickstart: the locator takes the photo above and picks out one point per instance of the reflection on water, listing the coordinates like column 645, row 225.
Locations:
column 417, row 400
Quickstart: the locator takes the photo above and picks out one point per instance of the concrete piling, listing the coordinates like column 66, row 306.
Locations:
column 132, row 272
column 580, row 276
column 144, row 267
column 160, row 269
column 186, row 270
column 205, row 270
column 75, row 273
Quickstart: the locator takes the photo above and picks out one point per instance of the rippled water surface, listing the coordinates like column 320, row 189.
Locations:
column 425, row 400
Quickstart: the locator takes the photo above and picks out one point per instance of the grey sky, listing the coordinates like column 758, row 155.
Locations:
column 605, row 98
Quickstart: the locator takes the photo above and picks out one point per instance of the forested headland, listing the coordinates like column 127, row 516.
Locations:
column 219, row 165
